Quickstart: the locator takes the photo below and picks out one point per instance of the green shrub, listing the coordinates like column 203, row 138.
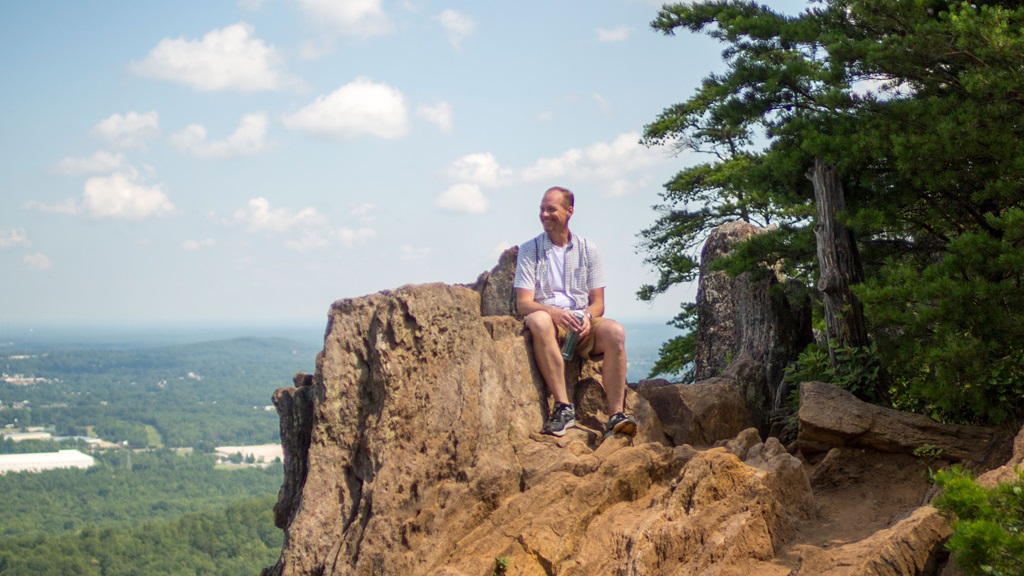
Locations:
column 857, row 370
column 987, row 523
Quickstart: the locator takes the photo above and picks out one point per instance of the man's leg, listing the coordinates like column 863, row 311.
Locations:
column 547, row 354
column 610, row 340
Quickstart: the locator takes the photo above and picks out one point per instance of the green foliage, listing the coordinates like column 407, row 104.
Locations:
column 675, row 359
column 987, row 523
column 917, row 104
column 928, row 453
column 857, row 369
column 501, row 564
column 159, row 484
column 946, row 330
column 240, row 539
column 196, row 395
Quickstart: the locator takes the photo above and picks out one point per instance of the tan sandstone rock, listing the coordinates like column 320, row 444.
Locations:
column 423, row 457
column 830, row 417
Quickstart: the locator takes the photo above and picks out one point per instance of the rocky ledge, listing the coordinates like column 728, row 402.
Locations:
column 414, row 450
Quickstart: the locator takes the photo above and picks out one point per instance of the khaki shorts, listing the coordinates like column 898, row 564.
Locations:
column 583, row 347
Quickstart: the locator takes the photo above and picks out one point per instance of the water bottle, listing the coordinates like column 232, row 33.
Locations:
column 572, row 338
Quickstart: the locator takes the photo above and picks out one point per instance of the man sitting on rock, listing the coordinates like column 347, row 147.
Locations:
column 558, row 273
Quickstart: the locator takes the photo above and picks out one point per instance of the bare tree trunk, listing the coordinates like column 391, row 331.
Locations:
column 838, row 260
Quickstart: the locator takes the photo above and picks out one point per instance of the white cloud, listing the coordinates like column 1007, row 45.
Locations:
column 361, row 18
column 225, row 59
column 313, row 239
column 618, row 168
column 613, row 34
column 363, row 211
column 130, row 130
column 100, row 162
column 257, row 216
column 352, row 236
column 457, row 25
column 439, row 114
column 13, row 237
column 38, row 261
column 119, row 195
column 463, row 198
column 357, row 108
column 550, row 168
column 481, row 168
column 193, row 245
column 602, row 160
column 602, row 103
column 409, row 252
column 249, row 138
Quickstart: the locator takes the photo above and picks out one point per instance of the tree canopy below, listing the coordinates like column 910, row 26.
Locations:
column 918, row 104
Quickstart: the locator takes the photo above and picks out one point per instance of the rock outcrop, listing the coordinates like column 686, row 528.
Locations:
column 748, row 327
column 414, row 450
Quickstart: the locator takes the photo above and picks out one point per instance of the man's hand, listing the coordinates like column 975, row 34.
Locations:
column 581, row 327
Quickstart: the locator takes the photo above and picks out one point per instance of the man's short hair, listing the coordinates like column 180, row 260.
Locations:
column 568, row 200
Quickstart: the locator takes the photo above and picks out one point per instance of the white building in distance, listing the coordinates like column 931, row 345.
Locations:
column 40, row 461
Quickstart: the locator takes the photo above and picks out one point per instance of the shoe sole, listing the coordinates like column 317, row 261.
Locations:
column 625, row 427
column 560, row 433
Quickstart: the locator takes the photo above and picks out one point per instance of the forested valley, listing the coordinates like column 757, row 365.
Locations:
column 156, row 502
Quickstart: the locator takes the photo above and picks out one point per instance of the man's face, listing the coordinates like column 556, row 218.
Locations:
column 554, row 215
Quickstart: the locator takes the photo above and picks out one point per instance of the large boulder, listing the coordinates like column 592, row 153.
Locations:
column 414, row 449
column 698, row 414
column 830, row 416
column 749, row 326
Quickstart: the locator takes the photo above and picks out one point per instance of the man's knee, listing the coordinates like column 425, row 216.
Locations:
column 540, row 322
column 610, row 334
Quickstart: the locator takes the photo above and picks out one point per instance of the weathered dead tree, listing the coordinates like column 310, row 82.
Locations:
column 839, row 262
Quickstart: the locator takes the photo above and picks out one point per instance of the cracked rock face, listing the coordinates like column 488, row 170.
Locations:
column 413, row 450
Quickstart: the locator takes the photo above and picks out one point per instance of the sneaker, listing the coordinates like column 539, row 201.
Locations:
column 562, row 418
column 620, row 423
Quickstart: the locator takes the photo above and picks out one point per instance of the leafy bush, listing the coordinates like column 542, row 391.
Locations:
column 858, row 369
column 987, row 523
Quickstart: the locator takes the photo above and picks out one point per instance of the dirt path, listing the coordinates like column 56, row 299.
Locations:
column 859, row 492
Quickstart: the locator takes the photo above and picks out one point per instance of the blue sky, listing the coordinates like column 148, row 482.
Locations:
column 257, row 160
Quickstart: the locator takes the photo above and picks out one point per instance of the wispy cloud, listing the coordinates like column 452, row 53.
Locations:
column 228, row 58
column 619, row 34
column 410, row 252
column 314, row 239
column 249, row 138
column 361, row 107
column 129, row 130
column 617, row 166
column 12, row 237
column 194, row 245
column 101, row 162
column 439, row 114
column 360, row 18
column 38, row 261
column 457, row 25
column 258, row 216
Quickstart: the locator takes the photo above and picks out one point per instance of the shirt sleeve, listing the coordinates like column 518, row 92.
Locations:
column 526, row 266
column 595, row 269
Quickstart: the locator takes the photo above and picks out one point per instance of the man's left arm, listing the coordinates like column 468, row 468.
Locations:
column 595, row 308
